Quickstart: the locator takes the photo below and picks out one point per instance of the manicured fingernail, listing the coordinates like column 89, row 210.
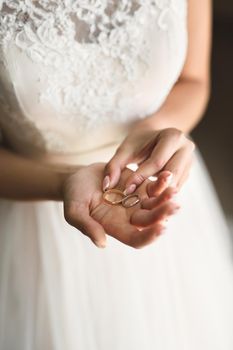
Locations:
column 169, row 179
column 173, row 184
column 106, row 183
column 175, row 191
column 130, row 189
column 162, row 229
column 100, row 244
column 163, row 222
column 174, row 196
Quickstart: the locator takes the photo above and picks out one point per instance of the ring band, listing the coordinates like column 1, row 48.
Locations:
column 129, row 205
column 113, row 191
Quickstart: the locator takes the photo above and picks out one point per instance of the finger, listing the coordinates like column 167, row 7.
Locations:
column 153, row 202
column 155, row 188
column 182, row 181
column 136, row 238
column 113, row 168
column 143, row 218
column 169, row 142
column 140, row 239
column 185, row 175
column 78, row 216
column 178, row 163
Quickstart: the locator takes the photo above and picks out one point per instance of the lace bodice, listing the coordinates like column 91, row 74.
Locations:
column 75, row 74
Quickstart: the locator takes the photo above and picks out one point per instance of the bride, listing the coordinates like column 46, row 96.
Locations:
column 97, row 96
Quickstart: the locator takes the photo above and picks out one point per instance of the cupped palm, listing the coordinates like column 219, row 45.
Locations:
column 137, row 226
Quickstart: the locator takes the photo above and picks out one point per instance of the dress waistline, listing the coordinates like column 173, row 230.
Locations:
column 67, row 162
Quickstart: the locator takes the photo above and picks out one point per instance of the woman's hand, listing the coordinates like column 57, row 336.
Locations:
column 85, row 209
column 154, row 151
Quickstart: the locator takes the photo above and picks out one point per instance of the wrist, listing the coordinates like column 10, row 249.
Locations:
column 152, row 122
column 63, row 179
column 156, row 122
column 58, row 190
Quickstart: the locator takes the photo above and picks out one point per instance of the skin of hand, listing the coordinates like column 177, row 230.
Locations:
column 159, row 143
column 154, row 151
column 140, row 225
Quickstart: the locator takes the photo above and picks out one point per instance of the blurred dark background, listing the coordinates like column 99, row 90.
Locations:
column 214, row 135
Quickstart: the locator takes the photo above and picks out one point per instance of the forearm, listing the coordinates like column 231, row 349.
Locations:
column 187, row 101
column 24, row 179
column 183, row 108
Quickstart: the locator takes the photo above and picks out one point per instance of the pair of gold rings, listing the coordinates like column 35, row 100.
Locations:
column 115, row 197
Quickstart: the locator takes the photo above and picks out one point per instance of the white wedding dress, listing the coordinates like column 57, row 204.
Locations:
column 74, row 76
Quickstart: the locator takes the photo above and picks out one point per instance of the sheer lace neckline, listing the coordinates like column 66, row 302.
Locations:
column 87, row 21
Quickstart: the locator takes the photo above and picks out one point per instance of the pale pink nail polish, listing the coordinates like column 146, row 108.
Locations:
column 106, row 183
column 163, row 222
column 130, row 189
column 169, row 179
column 162, row 231
column 100, row 244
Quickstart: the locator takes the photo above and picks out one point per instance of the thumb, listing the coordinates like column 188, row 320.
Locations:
column 113, row 168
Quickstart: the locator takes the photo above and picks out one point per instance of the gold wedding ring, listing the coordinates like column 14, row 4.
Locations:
column 110, row 197
column 107, row 196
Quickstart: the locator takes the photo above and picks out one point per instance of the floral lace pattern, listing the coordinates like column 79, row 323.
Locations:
column 86, row 50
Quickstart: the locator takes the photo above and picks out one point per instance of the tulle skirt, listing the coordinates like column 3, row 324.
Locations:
column 60, row 292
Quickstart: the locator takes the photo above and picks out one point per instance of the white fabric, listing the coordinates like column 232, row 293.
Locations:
column 91, row 69
column 73, row 76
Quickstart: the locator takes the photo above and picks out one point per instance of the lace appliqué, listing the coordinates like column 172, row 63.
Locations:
column 88, row 49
